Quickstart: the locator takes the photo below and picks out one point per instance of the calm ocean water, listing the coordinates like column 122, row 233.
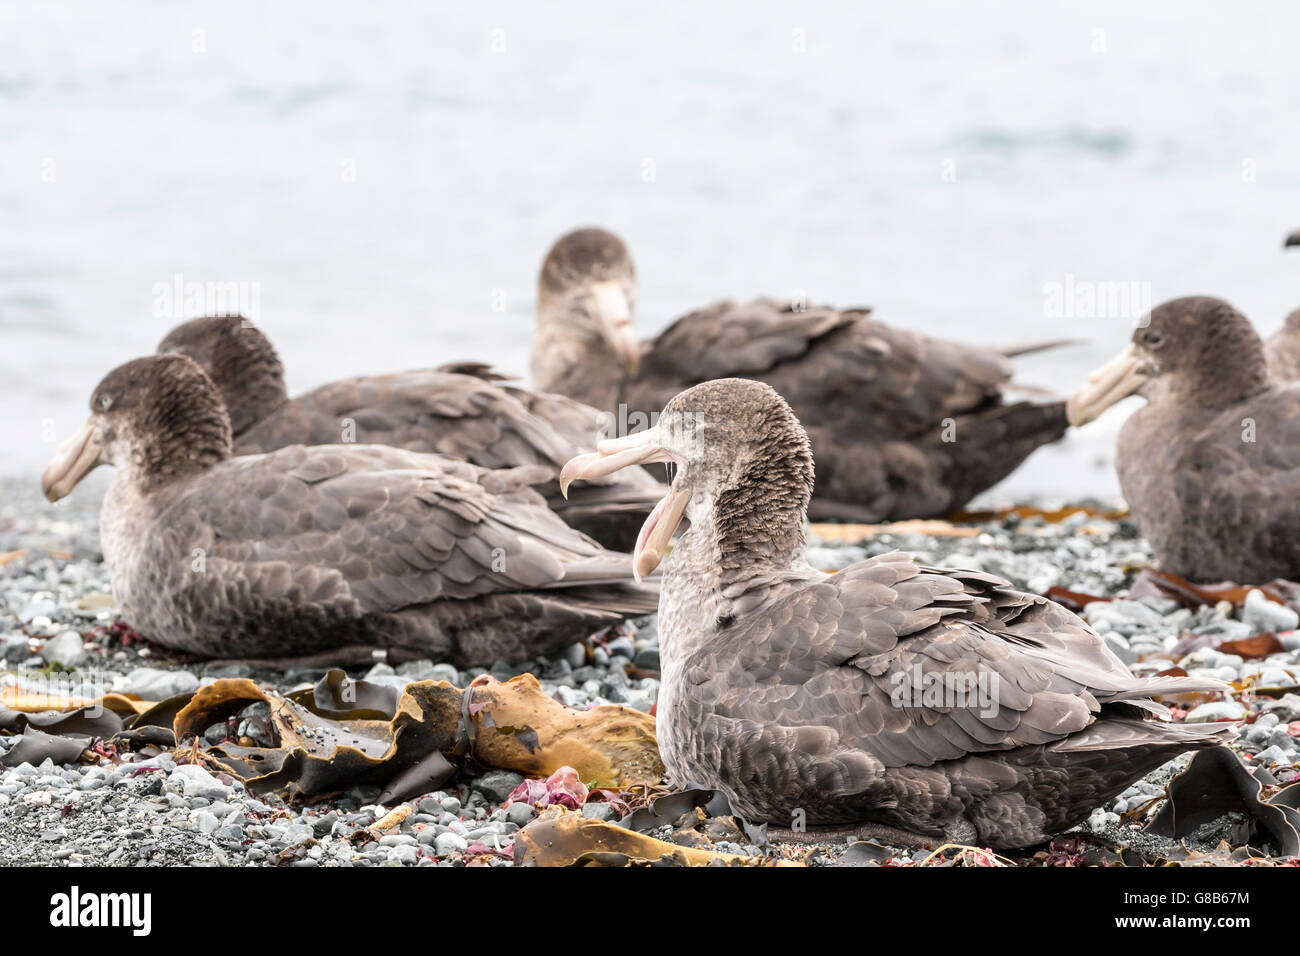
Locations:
column 384, row 179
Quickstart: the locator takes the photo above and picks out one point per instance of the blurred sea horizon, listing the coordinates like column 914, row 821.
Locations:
column 386, row 181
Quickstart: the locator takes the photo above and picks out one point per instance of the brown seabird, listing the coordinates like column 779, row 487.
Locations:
column 903, row 426
column 1210, row 465
column 316, row 548
column 466, row 416
column 941, row 702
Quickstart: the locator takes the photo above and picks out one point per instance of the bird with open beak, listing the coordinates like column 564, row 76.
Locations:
column 796, row 693
column 642, row 448
column 1210, row 465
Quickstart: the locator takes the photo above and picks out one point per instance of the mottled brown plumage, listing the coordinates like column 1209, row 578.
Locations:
column 1210, row 465
column 903, row 425
column 793, row 691
column 240, row 361
column 312, row 548
column 466, row 416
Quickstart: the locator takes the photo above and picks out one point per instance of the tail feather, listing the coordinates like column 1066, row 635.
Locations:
column 1117, row 733
column 1158, row 686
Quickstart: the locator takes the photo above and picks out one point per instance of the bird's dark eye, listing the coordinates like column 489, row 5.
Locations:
column 105, row 401
column 1153, row 340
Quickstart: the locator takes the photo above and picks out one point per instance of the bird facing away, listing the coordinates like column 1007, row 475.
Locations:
column 855, row 698
column 315, row 548
column 465, row 416
column 1210, row 465
column 903, row 426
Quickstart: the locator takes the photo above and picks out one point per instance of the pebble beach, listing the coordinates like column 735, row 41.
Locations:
column 57, row 618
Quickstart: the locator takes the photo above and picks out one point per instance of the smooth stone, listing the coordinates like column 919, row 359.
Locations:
column 570, row 697
column 445, row 672
column 67, row 648
column 1263, row 615
column 153, row 684
column 416, row 670
column 297, row 833
column 1272, row 755
column 13, row 647
column 621, row 647
column 497, row 785
column 194, row 781
column 449, row 843
column 520, row 814
column 1216, row 710
column 405, row 855
column 1285, row 708
column 599, row 811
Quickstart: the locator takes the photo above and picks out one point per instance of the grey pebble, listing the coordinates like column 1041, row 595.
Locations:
column 520, row 814
column 497, row 785
column 153, row 684
column 448, row 843
column 66, row 648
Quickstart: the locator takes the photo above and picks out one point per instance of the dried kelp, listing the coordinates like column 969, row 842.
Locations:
column 345, row 732
column 515, row 725
column 700, row 807
column 58, row 736
column 561, row 837
column 1216, row 783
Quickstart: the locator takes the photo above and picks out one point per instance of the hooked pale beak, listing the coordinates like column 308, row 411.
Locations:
column 609, row 307
column 76, row 457
column 1120, row 377
column 614, row 454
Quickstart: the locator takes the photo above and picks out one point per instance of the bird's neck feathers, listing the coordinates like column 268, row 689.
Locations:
column 573, row 359
column 759, row 520
column 251, row 382
column 185, row 434
column 1230, row 367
